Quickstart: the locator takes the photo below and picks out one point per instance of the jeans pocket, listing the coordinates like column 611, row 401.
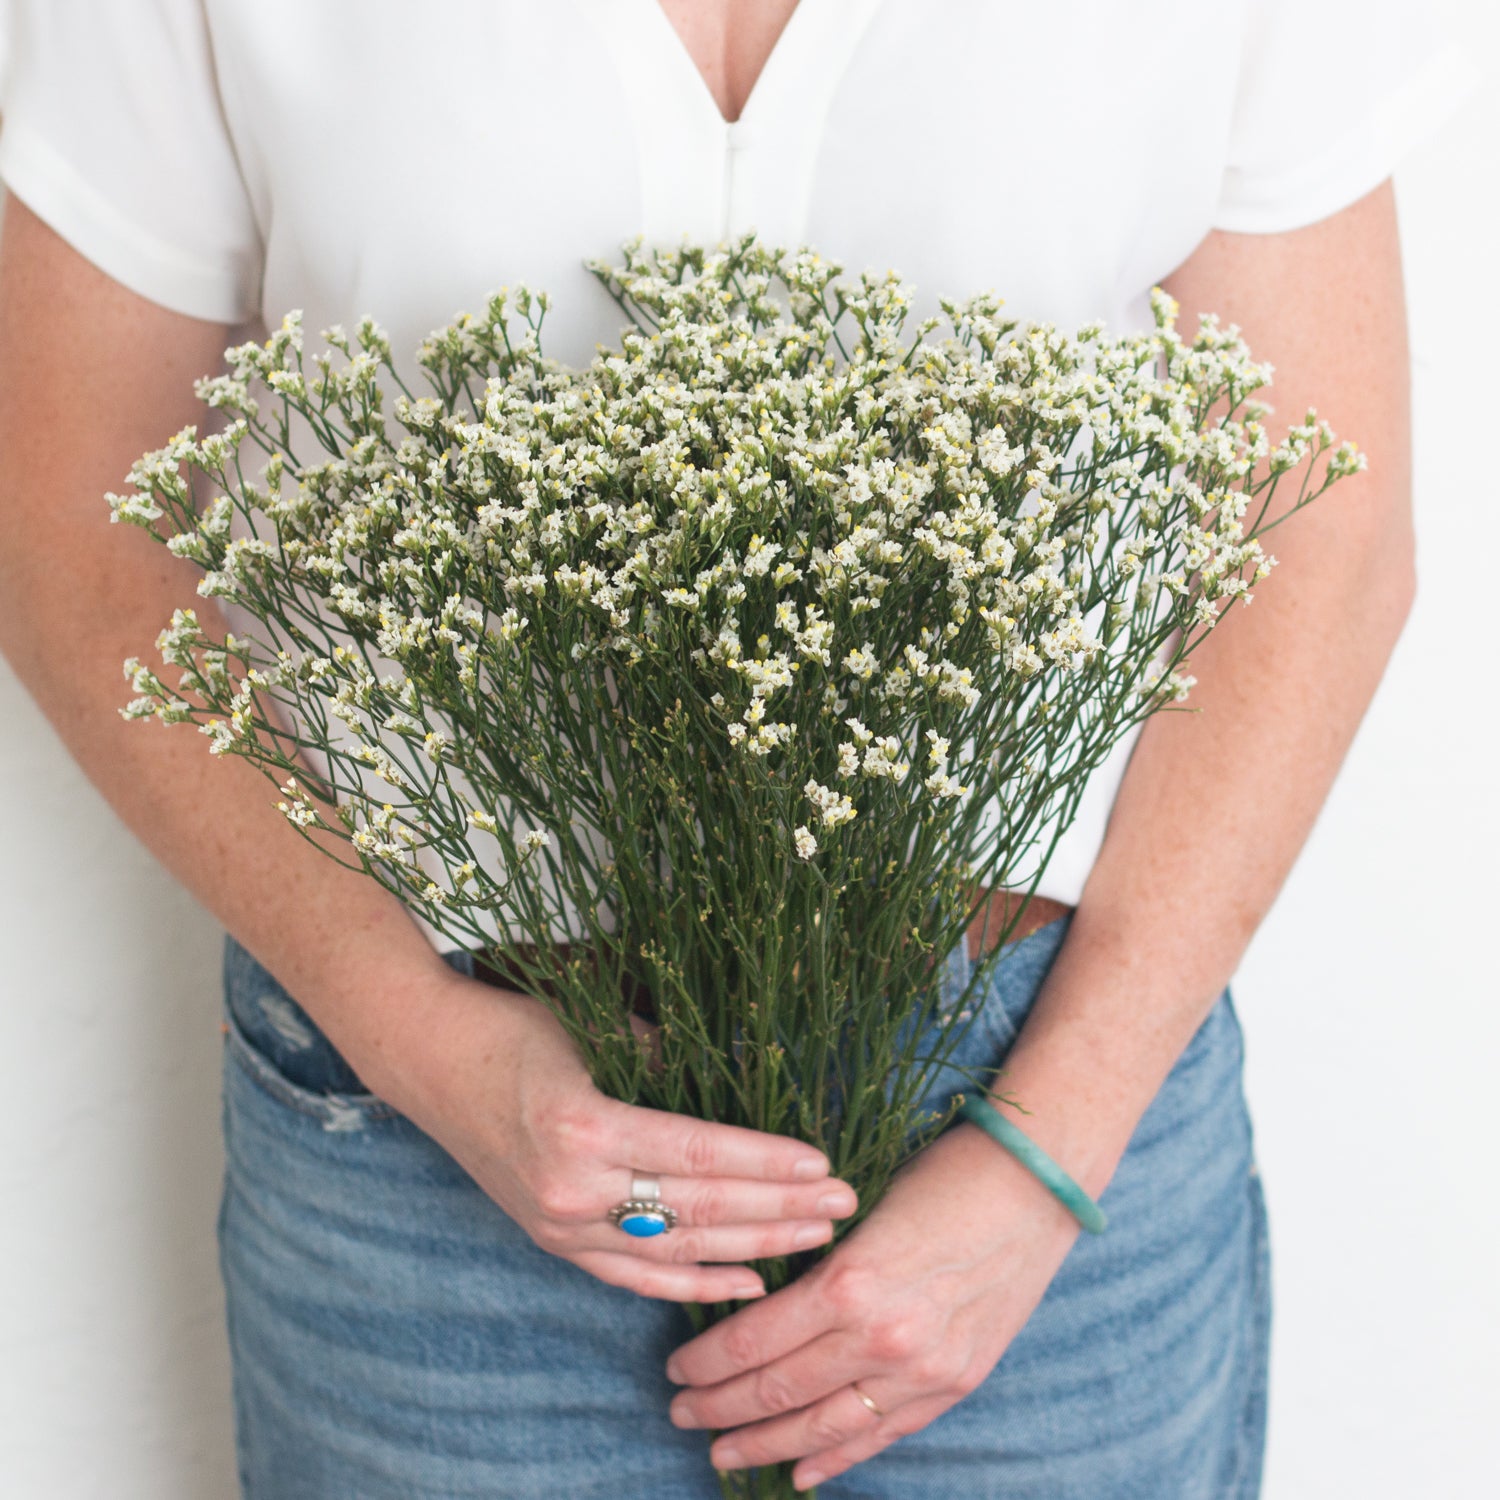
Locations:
column 1010, row 987
column 279, row 1046
column 983, row 1017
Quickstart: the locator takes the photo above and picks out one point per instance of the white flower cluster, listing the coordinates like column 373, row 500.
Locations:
column 769, row 535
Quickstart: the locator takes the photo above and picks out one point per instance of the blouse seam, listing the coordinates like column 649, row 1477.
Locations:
column 155, row 268
column 1358, row 160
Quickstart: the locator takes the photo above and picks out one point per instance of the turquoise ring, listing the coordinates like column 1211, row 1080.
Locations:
column 643, row 1214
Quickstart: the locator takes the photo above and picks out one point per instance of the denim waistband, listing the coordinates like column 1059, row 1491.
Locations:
column 278, row 1028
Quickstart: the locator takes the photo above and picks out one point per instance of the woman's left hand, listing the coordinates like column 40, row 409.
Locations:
column 917, row 1305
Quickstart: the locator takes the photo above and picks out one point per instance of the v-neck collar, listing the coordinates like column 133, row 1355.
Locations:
column 707, row 178
column 765, row 81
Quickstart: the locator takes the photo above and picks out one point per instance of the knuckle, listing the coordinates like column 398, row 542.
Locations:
column 772, row 1392
column 896, row 1339
column 574, row 1131
column 710, row 1205
column 967, row 1379
column 679, row 1290
column 774, row 1240
column 937, row 1370
column 697, row 1151
column 741, row 1345
column 560, row 1200
column 641, row 1285
column 684, row 1249
column 848, row 1287
column 825, row 1431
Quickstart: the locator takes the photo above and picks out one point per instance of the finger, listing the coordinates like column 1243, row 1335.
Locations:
column 818, row 1369
column 662, row 1143
column 754, row 1336
column 830, row 1423
column 737, row 1200
column 730, row 1242
column 672, row 1283
column 831, row 1462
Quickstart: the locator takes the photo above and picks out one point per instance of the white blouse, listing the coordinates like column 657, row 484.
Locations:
column 232, row 161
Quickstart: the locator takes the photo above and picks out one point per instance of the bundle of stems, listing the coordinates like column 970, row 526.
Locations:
column 723, row 676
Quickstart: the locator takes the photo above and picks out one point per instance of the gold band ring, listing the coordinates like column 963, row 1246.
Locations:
column 853, row 1387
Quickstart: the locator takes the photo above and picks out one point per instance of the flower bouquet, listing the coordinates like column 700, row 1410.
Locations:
column 730, row 671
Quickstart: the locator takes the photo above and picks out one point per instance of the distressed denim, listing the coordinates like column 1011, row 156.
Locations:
column 396, row 1336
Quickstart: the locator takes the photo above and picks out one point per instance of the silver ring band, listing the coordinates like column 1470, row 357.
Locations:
column 643, row 1215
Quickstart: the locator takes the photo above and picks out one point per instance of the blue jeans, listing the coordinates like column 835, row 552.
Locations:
column 396, row 1336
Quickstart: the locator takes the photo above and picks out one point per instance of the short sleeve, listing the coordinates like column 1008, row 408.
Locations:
column 111, row 131
column 1329, row 96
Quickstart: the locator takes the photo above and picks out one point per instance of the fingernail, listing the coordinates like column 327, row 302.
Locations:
column 751, row 1289
column 728, row 1458
column 835, row 1205
column 808, row 1235
column 674, row 1371
column 811, row 1480
column 810, row 1167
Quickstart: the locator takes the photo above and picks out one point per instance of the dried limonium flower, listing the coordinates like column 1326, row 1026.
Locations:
column 742, row 659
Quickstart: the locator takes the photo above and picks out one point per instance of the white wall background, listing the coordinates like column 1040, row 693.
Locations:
column 1369, row 1002
column 1370, row 997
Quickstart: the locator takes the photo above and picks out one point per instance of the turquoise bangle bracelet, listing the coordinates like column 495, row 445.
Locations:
column 979, row 1111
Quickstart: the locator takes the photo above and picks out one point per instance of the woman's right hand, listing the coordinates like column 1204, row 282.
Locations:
column 494, row 1078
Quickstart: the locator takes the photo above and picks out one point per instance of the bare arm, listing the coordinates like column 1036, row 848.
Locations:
column 91, row 377
column 1216, row 804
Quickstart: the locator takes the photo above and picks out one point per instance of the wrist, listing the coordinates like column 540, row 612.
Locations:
column 976, row 1109
column 392, row 1011
column 1094, row 1051
column 992, row 1184
column 436, row 1034
column 1083, row 1123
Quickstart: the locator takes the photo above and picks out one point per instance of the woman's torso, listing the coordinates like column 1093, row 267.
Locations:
column 407, row 163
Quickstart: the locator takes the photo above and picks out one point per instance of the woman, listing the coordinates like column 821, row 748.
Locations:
column 425, row 1293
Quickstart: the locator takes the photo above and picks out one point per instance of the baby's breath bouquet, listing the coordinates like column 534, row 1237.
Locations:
column 729, row 671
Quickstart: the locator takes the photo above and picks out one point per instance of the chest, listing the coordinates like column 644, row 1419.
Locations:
column 729, row 42
column 407, row 162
